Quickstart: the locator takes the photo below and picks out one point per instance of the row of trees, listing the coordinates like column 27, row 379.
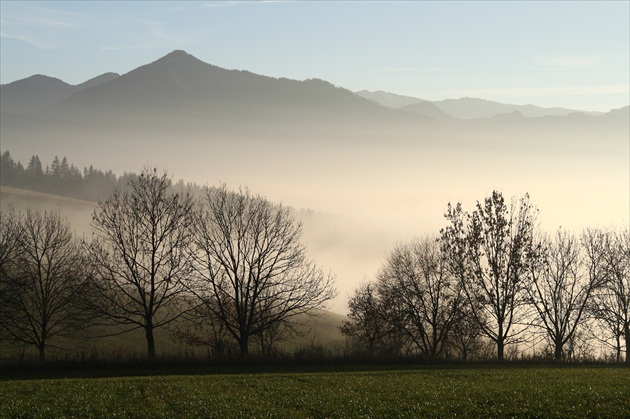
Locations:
column 230, row 259
column 490, row 276
column 232, row 266
column 65, row 179
column 60, row 177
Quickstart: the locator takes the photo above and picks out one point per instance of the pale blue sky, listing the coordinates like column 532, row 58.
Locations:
column 569, row 54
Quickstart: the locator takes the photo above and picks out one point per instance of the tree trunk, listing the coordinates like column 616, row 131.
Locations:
column 558, row 352
column 150, row 340
column 500, row 349
column 618, row 348
column 627, row 336
column 42, row 351
column 243, row 343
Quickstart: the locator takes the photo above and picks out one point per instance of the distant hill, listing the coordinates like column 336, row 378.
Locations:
column 471, row 108
column 103, row 78
column 36, row 93
column 464, row 108
column 430, row 110
column 78, row 212
column 390, row 100
column 32, row 94
column 618, row 115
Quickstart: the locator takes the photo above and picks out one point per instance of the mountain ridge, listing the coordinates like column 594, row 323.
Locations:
column 183, row 79
column 187, row 89
column 38, row 92
column 467, row 107
column 180, row 93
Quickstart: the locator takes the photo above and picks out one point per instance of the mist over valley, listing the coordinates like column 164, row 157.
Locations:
column 368, row 169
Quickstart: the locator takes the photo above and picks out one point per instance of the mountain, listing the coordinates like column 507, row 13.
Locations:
column 471, row 108
column 36, row 93
column 33, row 94
column 181, row 106
column 618, row 115
column 389, row 100
column 464, row 108
column 184, row 88
column 103, row 78
column 429, row 109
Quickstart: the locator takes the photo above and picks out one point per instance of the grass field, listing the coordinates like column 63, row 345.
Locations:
column 428, row 392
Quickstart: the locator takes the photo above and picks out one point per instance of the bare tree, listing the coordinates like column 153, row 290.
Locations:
column 202, row 328
column 253, row 271
column 495, row 247
column 367, row 324
column 10, row 233
column 417, row 279
column 560, row 289
column 141, row 254
column 466, row 338
column 269, row 338
column 10, row 236
column 609, row 257
column 44, row 281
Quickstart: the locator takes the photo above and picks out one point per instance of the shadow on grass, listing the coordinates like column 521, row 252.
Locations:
column 253, row 365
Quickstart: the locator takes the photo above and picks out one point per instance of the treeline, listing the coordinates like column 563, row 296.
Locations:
column 228, row 266
column 59, row 178
column 492, row 285
column 63, row 178
column 228, row 271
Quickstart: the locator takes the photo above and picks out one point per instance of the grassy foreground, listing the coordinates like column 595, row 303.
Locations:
column 431, row 392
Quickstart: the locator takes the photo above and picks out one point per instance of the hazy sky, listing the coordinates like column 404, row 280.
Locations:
column 569, row 54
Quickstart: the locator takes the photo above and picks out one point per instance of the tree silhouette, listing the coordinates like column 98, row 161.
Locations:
column 141, row 254
column 495, row 247
column 43, row 282
column 252, row 268
column 561, row 288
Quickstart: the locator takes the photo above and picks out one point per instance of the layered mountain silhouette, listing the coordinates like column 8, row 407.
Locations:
column 386, row 164
column 470, row 108
column 180, row 96
column 390, row 100
column 178, row 86
column 429, row 109
column 464, row 108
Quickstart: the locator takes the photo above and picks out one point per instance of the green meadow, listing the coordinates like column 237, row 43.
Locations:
column 493, row 391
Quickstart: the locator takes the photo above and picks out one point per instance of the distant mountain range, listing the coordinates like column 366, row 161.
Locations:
column 179, row 82
column 464, row 108
column 180, row 85
column 180, row 96
column 390, row 162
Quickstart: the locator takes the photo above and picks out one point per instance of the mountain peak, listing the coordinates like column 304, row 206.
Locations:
column 32, row 94
column 178, row 55
column 41, row 81
column 176, row 62
column 178, row 52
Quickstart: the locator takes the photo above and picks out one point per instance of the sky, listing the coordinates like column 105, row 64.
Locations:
column 569, row 54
